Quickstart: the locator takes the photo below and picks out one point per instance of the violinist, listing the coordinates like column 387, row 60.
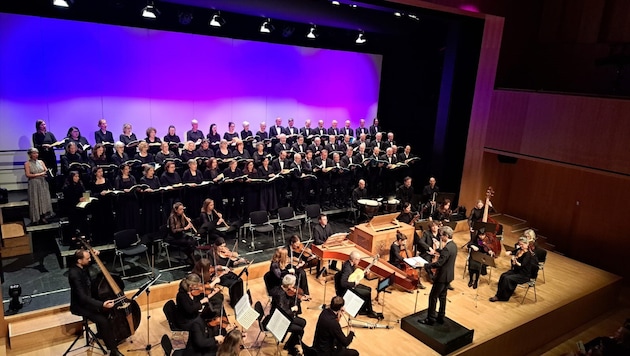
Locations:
column 210, row 279
column 287, row 297
column 210, row 220
column 203, row 339
column 301, row 253
column 476, row 215
column 222, row 256
column 329, row 339
column 281, row 265
column 189, row 301
column 82, row 303
column 479, row 244
column 443, row 212
column 524, row 264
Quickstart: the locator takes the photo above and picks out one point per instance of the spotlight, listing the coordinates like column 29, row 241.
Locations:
column 266, row 26
column 398, row 14
column 354, row 6
column 414, row 17
column 336, row 3
column 312, row 34
column 216, row 21
column 150, row 11
column 62, row 3
column 360, row 38
column 15, row 292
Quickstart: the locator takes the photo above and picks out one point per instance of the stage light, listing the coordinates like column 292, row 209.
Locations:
column 266, row 26
column 398, row 14
column 217, row 20
column 414, row 17
column 336, row 3
column 150, row 11
column 354, row 6
column 62, row 3
column 360, row 38
column 312, row 33
column 15, row 292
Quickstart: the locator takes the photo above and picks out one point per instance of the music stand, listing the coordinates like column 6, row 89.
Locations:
column 278, row 325
column 146, row 289
column 483, row 259
column 352, row 302
column 382, row 286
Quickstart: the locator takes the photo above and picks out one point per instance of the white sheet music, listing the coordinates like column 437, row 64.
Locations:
column 416, row 262
column 278, row 325
column 352, row 303
column 245, row 314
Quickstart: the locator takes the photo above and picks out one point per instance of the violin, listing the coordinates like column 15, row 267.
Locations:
column 199, row 289
column 293, row 291
column 220, row 321
column 304, row 251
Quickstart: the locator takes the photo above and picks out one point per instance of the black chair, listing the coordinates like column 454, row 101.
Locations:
column 312, row 214
column 262, row 322
column 286, row 218
column 541, row 254
column 167, row 346
column 530, row 284
column 127, row 243
column 170, row 310
column 259, row 222
column 338, row 288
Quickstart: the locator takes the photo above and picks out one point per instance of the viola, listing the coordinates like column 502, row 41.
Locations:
column 219, row 321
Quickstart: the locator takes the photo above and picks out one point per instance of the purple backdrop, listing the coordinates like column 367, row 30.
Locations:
column 74, row 73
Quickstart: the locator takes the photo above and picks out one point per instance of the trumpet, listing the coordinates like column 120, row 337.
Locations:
column 191, row 224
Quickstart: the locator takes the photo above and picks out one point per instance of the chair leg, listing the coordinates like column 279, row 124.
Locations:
column 122, row 266
column 146, row 253
column 525, row 295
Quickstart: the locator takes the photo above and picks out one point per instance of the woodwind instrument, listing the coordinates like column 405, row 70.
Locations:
column 220, row 217
column 191, row 224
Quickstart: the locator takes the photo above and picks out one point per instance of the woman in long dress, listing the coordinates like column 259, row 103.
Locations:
column 40, row 205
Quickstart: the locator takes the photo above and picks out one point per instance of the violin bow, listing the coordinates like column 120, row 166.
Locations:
column 301, row 253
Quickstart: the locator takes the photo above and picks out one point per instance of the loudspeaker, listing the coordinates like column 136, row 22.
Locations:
column 507, row 159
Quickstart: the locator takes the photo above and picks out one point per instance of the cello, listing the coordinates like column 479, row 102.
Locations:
column 125, row 315
column 493, row 241
column 411, row 272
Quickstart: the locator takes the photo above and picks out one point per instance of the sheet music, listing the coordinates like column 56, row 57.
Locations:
column 352, row 303
column 278, row 325
column 245, row 314
column 415, row 262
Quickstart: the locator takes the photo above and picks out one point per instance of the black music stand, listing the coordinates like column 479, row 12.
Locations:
column 382, row 287
column 146, row 289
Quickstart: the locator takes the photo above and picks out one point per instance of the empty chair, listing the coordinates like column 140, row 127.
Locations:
column 312, row 214
column 127, row 243
column 259, row 222
column 286, row 218
column 170, row 309
column 167, row 346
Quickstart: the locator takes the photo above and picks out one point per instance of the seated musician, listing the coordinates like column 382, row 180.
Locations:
column 396, row 257
column 211, row 278
column 210, row 219
column 329, row 339
column 281, row 265
column 524, row 264
column 321, row 233
column 82, row 303
column 363, row 291
column 301, row 254
column 222, row 256
column 287, row 298
column 443, row 212
column 180, row 228
column 359, row 193
column 189, row 301
column 476, row 268
column 203, row 339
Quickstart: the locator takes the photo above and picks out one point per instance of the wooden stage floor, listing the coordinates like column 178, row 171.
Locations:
column 571, row 294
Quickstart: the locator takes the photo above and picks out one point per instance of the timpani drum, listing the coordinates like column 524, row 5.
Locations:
column 391, row 206
column 369, row 206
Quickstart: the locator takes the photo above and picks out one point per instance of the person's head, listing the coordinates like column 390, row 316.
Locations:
column 205, row 144
column 169, row 167
column 297, row 158
column 231, row 126
column 376, row 151
column 233, row 165
column 307, row 123
column 223, row 144
column 240, row 145
column 73, row 177
column 446, row 204
column 300, row 139
column 102, row 124
column 219, row 242
column 249, row 166
column 378, row 136
column 361, row 184
column 362, row 123
column 523, row 243
column 432, row 182
column 231, row 345
column 407, row 181
column 375, row 121
column 320, row 123
column 178, row 208
column 190, row 146
column 192, row 164
column 323, row 219
column 143, row 146
column 347, row 123
column 294, row 241
column 349, row 152
column 362, row 146
column 446, row 233
column 309, row 155
column 119, row 146
column 334, row 123
column 40, row 125
column 82, row 257
column 290, row 122
column 389, row 151
column 323, row 154
column 98, row 150
column 125, row 169
column 207, row 206
column 390, row 136
column 288, row 281
column 406, row 207
column 126, row 129
column 481, row 233
column 434, row 226
column 336, row 303
column 281, row 256
column 265, row 161
column 318, row 141
column 212, row 163
column 407, row 149
column 530, row 234
column 71, row 148
column 263, row 126
column 260, row 147
column 336, row 157
column 190, row 281
column 213, row 129
column 164, row 147
column 97, row 172
column 171, row 130
column 355, row 257
column 194, row 124
column 479, row 204
column 246, row 125
column 278, row 121
column 282, row 138
column 401, row 238
column 151, row 132
column 283, row 155
column 33, row 153
column 332, row 139
column 148, row 170
column 74, row 132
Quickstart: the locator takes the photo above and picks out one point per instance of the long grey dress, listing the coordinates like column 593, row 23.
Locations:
column 38, row 193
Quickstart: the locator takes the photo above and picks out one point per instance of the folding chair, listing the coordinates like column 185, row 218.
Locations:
column 259, row 222
column 127, row 243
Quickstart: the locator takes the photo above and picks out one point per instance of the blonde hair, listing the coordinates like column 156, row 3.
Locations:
column 281, row 256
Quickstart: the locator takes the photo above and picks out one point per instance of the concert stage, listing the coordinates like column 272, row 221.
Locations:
column 571, row 294
column 443, row 338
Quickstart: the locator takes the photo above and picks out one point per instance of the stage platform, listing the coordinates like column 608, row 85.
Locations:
column 572, row 294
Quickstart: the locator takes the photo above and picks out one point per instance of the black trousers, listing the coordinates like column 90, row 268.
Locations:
column 438, row 291
column 103, row 326
column 365, row 293
column 296, row 328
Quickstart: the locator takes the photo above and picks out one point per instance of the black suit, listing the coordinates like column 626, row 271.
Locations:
column 445, row 274
column 362, row 130
column 321, row 233
column 329, row 339
column 82, row 303
column 347, row 131
column 281, row 147
column 275, row 131
column 363, row 291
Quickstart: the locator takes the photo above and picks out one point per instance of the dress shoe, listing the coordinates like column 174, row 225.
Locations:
column 470, row 283
column 493, row 299
column 475, row 285
column 373, row 315
column 427, row 321
column 439, row 321
column 421, row 286
column 450, row 287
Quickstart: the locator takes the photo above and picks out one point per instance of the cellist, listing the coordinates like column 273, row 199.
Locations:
column 82, row 303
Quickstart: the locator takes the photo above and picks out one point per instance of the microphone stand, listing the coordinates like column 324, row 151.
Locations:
column 147, row 289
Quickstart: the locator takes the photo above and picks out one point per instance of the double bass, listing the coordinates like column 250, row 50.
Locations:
column 125, row 316
column 493, row 241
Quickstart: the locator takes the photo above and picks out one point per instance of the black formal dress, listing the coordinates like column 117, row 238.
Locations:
column 518, row 274
column 208, row 229
column 130, row 151
column 201, row 341
column 187, row 309
column 329, row 339
column 102, row 223
column 268, row 197
column 230, row 280
column 153, row 212
column 46, row 154
column 127, row 213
